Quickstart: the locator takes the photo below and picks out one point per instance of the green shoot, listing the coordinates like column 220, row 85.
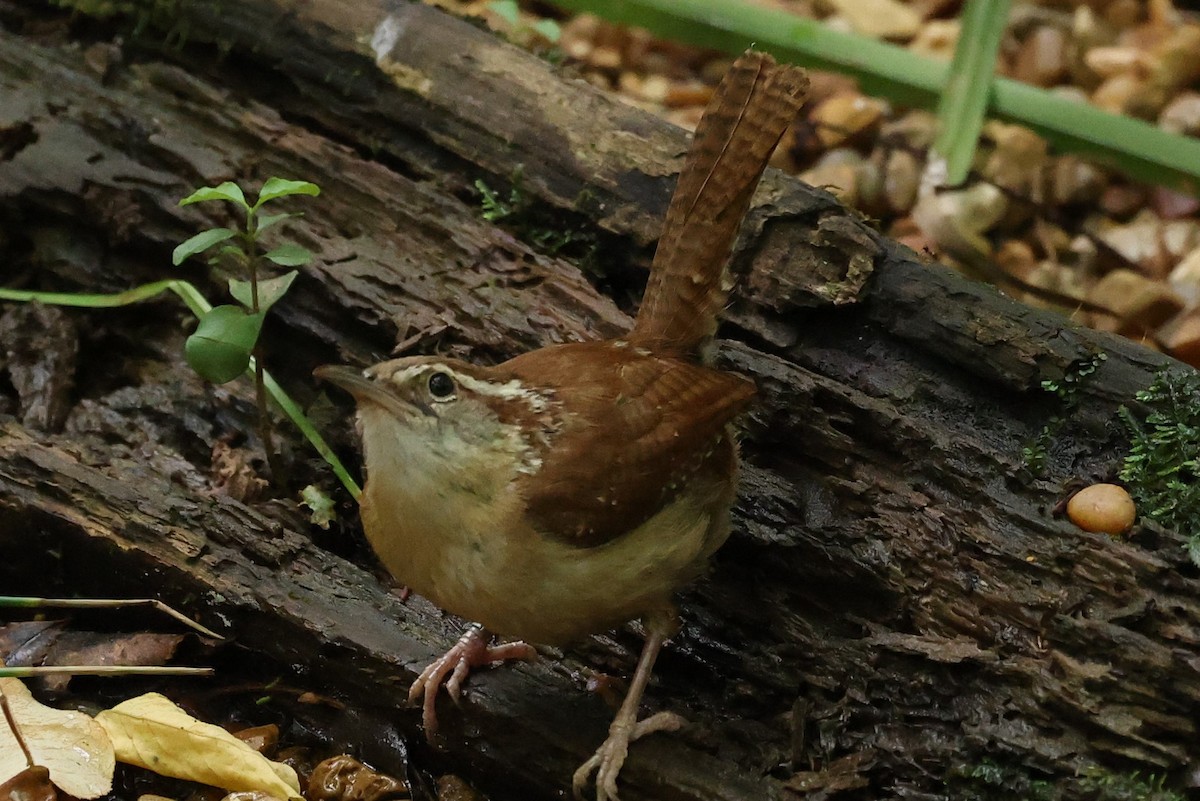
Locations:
column 226, row 340
column 198, row 306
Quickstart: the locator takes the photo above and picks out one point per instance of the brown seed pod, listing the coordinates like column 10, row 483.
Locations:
column 1102, row 507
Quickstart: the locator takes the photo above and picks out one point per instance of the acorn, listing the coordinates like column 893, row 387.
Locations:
column 1102, row 507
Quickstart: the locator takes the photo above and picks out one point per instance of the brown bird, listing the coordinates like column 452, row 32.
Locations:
column 576, row 487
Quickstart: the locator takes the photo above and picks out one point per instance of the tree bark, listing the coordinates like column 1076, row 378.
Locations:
column 898, row 604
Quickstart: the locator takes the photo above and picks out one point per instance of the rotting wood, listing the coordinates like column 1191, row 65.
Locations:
column 897, row 600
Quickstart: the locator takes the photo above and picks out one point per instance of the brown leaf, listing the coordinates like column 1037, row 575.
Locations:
column 26, row 643
column 344, row 778
column 31, row 784
column 103, row 648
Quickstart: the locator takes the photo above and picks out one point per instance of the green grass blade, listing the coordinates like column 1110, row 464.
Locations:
column 1135, row 147
column 964, row 99
column 101, row 670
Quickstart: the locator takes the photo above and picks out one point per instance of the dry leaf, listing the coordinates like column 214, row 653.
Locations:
column 154, row 733
column 344, row 778
column 31, row 784
column 70, row 745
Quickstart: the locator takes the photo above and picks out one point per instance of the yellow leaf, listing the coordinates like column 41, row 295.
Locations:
column 72, row 746
column 154, row 733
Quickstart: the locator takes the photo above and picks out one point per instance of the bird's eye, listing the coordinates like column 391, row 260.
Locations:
column 441, row 386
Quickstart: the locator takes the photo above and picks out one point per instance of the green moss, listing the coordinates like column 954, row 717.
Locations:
column 1066, row 389
column 991, row 781
column 516, row 212
column 1100, row 785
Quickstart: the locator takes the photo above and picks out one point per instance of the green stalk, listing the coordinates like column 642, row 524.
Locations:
column 198, row 306
column 964, row 99
column 102, row 670
column 1135, row 147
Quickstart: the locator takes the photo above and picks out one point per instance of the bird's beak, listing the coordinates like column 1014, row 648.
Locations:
column 364, row 389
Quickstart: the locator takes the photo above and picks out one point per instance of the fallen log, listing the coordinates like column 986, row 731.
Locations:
column 898, row 604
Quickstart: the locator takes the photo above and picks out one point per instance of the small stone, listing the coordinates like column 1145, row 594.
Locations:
column 1123, row 14
column 1172, row 205
column 1122, row 200
column 1182, row 115
column 1140, row 305
column 1074, row 181
column 1185, row 279
column 1042, row 58
column 937, row 39
column 846, row 116
column 1116, row 60
column 1139, row 242
column 682, row 94
column 1117, row 93
column 901, row 179
column 882, row 19
column 956, row 221
column 837, row 172
column 1181, row 337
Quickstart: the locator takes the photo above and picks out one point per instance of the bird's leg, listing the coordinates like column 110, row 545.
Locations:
column 625, row 728
column 452, row 668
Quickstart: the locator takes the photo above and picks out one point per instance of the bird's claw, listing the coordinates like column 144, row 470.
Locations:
column 610, row 756
column 452, row 668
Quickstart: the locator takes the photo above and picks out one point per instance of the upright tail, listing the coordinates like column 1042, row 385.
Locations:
column 741, row 126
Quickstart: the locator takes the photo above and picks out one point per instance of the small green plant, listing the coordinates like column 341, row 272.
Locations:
column 514, row 213
column 223, row 345
column 991, row 781
column 226, row 338
column 1162, row 469
column 521, row 30
column 1126, row 786
column 1066, row 389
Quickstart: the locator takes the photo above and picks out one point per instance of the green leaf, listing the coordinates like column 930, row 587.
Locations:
column 550, row 30
column 200, row 243
column 227, row 191
column 320, row 504
column 220, row 348
column 269, row 290
column 968, row 86
column 505, row 9
column 265, row 221
column 289, row 255
column 281, row 187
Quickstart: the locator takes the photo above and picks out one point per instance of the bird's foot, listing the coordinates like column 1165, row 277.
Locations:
column 610, row 756
column 452, row 668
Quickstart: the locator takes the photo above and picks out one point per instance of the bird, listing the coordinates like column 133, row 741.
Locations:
column 579, row 486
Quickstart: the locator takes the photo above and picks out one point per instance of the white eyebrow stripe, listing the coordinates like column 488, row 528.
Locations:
column 509, row 390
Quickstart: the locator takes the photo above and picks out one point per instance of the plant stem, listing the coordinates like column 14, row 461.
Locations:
column 16, row 731
column 274, row 461
column 102, row 670
column 28, row 602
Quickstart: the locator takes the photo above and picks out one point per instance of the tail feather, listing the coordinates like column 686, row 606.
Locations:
column 746, row 118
